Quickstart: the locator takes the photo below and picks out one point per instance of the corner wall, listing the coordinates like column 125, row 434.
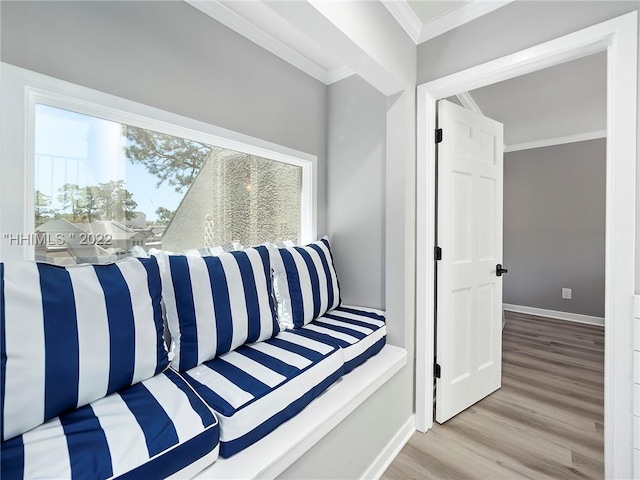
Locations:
column 358, row 196
column 356, row 189
column 554, row 227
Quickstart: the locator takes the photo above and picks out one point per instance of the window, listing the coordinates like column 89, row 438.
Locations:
column 102, row 188
column 106, row 177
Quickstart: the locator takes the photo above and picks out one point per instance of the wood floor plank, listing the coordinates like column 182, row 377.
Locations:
column 545, row 422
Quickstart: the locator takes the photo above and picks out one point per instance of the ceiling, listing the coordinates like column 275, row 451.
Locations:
column 564, row 103
column 293, row 30
column 427, row 11
column 423, row 20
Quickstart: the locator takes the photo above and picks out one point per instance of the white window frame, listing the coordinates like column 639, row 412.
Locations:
column 22, row 89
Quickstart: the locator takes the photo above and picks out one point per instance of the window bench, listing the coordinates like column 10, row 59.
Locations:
column 281, row 448
column 250, row 411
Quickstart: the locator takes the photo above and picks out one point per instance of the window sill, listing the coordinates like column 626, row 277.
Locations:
column 281, row 448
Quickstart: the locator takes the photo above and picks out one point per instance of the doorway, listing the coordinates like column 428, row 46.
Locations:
column 619, row 38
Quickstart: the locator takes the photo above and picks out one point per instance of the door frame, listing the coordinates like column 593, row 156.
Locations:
column 620, row 39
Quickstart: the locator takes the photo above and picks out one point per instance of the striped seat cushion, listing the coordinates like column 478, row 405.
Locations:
column 216, row 304
column 150, row 430
column 71, row 335
column 258, row 387
column 305, row 282
column 360, row 332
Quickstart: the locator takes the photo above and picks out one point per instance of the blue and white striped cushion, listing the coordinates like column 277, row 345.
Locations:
column 71, row 335
column 216, row 304
column 305, row 282
column 260, row 386
column 150, row 430
column 359, row 331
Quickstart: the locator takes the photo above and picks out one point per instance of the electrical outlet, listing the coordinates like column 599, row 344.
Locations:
column 566, row 293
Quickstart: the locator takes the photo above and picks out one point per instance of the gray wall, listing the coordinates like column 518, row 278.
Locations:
column 509, row 29
column 171, row 56
column 356, row 189
column 554, row 227
column 554, row 105
column 512, row 28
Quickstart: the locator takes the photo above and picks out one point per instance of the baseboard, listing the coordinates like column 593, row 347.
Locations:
column 541, row 312
column 382, row 462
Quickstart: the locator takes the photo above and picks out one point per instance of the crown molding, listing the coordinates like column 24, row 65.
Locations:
column 268, row 31
column 581, row 137
column 405, row 16
column 236, row 22
column 458, row 17
column 468, row 102
column 339, row 74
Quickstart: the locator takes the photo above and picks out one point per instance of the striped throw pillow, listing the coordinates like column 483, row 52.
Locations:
column 72, row 335
column 215, row 304
column 305, row 283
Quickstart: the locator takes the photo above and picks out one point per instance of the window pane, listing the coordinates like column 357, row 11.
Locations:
column 103, row 188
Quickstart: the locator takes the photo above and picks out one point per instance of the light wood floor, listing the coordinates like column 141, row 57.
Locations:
column 545, row 422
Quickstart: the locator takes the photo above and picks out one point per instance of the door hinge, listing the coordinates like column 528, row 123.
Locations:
column 436, row 370
column 438, row 135
column 437, row 253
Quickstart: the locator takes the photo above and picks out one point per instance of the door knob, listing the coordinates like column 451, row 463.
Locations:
column 500, row 270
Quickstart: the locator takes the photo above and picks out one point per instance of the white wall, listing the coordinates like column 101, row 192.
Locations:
column 370, row 27
column 349, row 450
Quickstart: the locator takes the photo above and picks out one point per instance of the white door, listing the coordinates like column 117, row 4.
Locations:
column 469, row 291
